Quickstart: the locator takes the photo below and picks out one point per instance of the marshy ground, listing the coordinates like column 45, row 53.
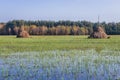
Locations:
column 59, row 58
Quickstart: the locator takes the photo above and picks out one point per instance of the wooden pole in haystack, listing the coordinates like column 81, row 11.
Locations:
column 98, row 32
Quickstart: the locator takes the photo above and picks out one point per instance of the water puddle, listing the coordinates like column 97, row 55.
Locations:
column 61, row 65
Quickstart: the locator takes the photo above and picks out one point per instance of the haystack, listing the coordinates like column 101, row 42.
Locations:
column 22, row 33
column 98, row 33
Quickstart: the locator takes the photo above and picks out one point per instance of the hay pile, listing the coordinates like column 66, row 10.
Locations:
column 22, row 33
column 98, row 33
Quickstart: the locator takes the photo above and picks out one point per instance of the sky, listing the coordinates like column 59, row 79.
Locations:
column 74, row 10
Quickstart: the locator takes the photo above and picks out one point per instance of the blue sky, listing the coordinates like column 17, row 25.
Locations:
column 75, row 10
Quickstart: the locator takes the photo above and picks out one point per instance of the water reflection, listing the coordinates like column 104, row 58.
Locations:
column 61, row 65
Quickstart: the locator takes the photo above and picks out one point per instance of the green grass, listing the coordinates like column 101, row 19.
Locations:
column 59, row 57
column 10, row 44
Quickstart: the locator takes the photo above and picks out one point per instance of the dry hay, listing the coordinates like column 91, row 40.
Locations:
column 98, row 33
column 22, row 33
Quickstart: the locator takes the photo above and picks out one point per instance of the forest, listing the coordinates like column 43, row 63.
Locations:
column 57, row 27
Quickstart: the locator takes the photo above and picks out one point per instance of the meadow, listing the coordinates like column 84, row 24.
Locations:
column 59, row 58
column 10, row 44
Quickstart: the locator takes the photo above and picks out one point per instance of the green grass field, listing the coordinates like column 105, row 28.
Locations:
column 10, row 44
column 59, row 58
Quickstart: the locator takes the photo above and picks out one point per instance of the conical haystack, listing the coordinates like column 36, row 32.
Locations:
column 98, row 33
column 22, row 33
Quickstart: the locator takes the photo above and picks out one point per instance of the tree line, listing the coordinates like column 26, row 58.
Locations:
column 57, row 27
